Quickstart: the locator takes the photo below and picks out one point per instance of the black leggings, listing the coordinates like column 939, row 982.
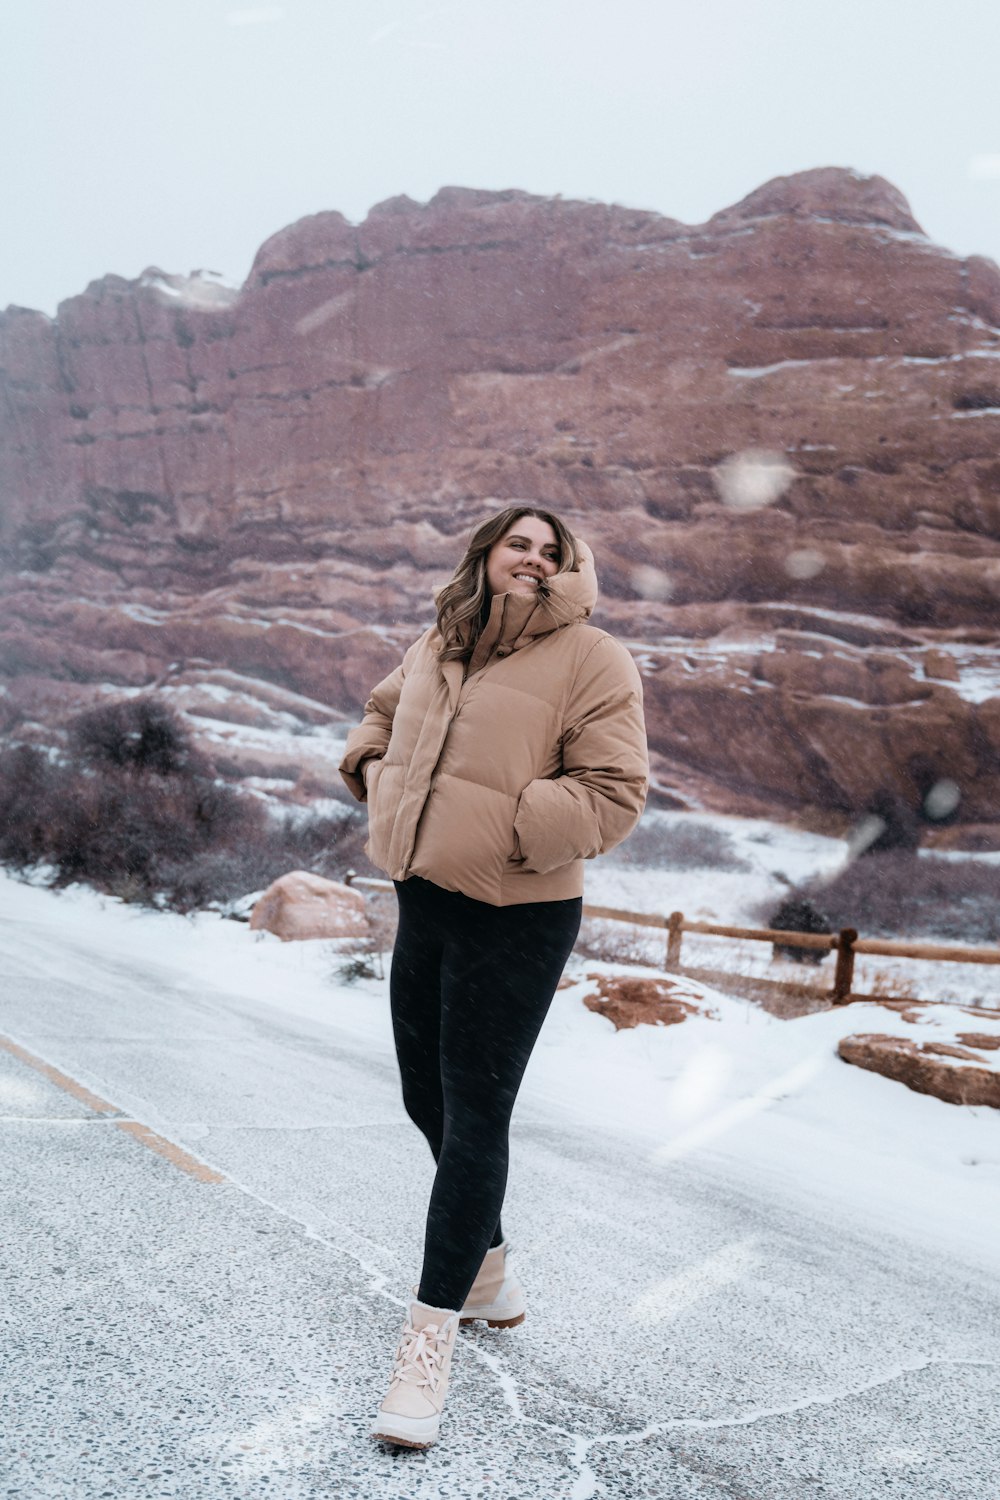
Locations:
column 471, row 985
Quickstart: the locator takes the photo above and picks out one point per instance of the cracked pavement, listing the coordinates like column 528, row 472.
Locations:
column 690, row 1332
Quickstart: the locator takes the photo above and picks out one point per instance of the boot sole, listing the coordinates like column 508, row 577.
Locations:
column 494, row 1322
column 398, row 1442
column 416, row 1433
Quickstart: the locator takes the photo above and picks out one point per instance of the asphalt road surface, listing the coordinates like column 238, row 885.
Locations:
column 212, row 1211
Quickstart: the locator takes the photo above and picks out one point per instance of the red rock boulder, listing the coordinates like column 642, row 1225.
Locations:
column 301, row 905
column 956, row 1074
column 629, row 1002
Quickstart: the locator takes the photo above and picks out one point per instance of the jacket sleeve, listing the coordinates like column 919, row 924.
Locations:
column 369, row 741
column 598, row 797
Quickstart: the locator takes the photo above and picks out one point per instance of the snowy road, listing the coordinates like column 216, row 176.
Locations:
column 693, row 1330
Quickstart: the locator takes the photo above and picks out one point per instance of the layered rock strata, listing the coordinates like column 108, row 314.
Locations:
column 779, row 430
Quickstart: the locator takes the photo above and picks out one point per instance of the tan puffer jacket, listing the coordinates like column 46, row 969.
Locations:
column 500, row 777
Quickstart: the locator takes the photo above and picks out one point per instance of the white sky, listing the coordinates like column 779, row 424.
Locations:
column 183, row 133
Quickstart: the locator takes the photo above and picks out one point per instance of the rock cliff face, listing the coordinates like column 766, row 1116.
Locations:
column 779, row 430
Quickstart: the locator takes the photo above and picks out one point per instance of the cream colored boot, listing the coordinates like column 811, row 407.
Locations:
column 411, row 1412
column 496, row 1295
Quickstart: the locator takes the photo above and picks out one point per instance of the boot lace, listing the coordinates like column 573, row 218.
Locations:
column 419, row 1356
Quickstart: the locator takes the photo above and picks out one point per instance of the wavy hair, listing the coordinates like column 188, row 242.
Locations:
column 463, row 605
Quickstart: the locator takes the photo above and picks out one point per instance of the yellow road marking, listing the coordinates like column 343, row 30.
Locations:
column 61, row 1080
column 170, row 1152
column 176, row 1155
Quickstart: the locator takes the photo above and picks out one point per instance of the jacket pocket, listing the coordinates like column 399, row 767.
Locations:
column 551, row 826
column 371, row 772
column 465, row 837
column 377, row 845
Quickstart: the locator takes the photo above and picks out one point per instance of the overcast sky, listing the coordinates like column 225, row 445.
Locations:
column 182, row 133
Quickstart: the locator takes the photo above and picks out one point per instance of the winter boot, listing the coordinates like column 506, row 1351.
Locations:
column 496, row 1293
column 411, row 1412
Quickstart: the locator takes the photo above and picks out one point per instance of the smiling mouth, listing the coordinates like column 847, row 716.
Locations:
column 527, row 578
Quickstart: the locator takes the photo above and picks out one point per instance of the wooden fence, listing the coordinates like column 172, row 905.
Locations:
column 845, row 943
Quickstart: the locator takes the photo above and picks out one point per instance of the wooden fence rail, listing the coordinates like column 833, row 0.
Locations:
column 845, row 943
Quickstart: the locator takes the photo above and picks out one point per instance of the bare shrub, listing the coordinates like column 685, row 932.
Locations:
column 119, row 824
column 219, row 876
column 885, row 985
column 619, row 943
column 326, row 845
column 357, row 964
column 138, row 734
column 904, row 894
column 364, row 958
column 32, row 798
column 897, row 824
column 798, row 914
column 680, row 846
column 134, row 811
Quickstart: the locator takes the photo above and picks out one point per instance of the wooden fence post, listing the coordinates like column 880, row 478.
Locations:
column 843, row 977
column 675, row 932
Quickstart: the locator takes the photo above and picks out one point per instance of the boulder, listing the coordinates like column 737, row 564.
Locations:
column 955, row 1074
column 301, row 905
column 941, row 666
column 628, row 1001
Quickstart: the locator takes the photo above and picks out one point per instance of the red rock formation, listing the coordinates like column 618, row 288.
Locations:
column 630, row 1002
column 937, row 1068
column 270, row 481
column 299, row 906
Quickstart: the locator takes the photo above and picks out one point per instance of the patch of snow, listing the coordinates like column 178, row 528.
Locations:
column 201, row 290
column 754, row 372
column 144, row 613
column 264, row 624
column 978, row 669
column 917, row 240
column 774, row 853
column 851, row 702
column 266, row 787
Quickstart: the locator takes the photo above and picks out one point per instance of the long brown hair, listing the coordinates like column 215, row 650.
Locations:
column 463, row 605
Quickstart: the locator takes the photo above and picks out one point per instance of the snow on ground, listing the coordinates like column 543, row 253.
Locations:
column 770, row 1094
column 775, row 857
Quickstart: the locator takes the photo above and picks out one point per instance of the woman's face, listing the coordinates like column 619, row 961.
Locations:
column 518, row 562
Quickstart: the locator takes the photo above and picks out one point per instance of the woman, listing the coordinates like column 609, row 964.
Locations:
column 506, row 749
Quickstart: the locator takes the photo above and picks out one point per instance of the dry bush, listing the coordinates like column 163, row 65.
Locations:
column 798, row 914
column 137, row 734
column 110, row 815
column 32, row 795
column 906, row 895
column 620, row 943
column 680, row 846
column 364, row 958
column 898, row 824
column 220, row 877
column 885, row 985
